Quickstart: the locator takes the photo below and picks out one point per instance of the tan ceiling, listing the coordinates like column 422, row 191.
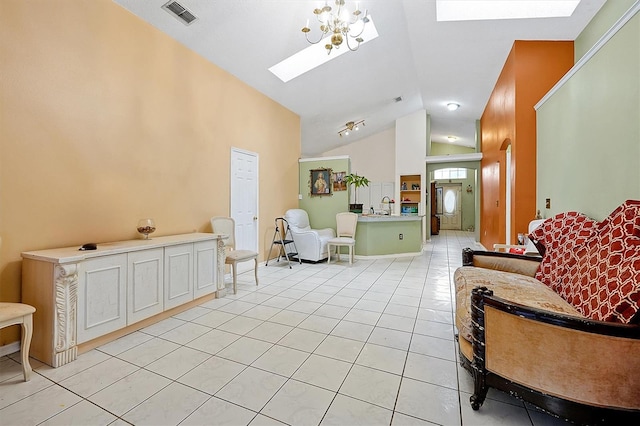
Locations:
column 427, row 63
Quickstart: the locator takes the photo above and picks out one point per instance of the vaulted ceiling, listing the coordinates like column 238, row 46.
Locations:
column 427, row 63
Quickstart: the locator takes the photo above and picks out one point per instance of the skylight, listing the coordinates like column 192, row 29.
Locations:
column 316, row 55
column 477, row 10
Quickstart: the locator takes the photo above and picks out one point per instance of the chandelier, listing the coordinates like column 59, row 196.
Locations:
column 338, row 23
column 351, row 126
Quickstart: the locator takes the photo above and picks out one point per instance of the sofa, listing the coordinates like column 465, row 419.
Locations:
column 310, row 243
column 560, row 331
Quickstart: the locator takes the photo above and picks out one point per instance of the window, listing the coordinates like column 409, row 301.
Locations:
column 443, row 174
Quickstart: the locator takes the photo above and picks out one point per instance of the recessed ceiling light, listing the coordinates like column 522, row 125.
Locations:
column 452, row 106
column 477, row 10
column 316, row 55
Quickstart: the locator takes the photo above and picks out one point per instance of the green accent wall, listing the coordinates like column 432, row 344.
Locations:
column 322, row 210
column 589, row 130
column 610, row 12
column 438, row 148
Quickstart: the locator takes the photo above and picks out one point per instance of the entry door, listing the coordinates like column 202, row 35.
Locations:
column 244, row 201
column 451, row 207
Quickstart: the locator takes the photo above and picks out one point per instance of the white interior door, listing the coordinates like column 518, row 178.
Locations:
column 451, row 207
column 244, row 201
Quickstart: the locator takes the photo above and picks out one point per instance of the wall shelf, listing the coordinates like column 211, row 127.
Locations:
column 410, row 194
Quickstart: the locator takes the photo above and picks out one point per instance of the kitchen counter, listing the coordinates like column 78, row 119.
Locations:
column 378, row 235
column 388, row 218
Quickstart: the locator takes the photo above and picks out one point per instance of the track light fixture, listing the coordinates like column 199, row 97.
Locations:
column 351, row 126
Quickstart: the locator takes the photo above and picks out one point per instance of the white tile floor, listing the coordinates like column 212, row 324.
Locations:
column 367, row 344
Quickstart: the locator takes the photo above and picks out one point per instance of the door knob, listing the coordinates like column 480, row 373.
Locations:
column 255, row 218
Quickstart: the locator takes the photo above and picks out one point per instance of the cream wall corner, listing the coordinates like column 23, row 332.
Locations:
column 412, row 134
column 411, row 143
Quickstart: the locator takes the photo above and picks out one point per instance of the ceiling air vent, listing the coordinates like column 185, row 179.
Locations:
column 180, row 12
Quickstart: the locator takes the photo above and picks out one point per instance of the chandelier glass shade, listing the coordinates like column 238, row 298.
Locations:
column 340, row 24
column 351, row 126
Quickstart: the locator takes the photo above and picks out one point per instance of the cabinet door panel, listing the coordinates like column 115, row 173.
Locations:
column 102, row 296
column 205, row 268
column 145, row 284
column 178, row 275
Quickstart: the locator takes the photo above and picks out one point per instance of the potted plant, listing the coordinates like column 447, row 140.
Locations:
column 357, row 181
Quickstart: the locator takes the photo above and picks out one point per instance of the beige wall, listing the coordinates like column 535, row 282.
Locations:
column 105, row 120
column 373, row 156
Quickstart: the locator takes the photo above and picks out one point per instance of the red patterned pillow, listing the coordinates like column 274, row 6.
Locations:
column 560, row 236
column 604, row 284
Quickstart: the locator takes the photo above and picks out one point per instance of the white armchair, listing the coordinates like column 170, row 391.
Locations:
column 311, row 243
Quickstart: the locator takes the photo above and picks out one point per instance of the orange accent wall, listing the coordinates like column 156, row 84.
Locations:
column 530, row 71
column 105, row 120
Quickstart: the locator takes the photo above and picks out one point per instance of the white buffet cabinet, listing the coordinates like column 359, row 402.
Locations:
column 84, row 295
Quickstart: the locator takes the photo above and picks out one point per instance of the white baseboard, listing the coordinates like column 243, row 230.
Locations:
column 10, row 348
column 384, row 256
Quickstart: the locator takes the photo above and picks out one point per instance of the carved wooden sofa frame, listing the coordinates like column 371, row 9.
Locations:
column 588, row 385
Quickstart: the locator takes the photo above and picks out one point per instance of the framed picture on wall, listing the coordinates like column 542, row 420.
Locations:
column 320, row 182
column 338, row 181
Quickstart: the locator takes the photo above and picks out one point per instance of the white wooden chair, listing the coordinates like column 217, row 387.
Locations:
column 227, row 226
column 19, row 313
column 346, row 234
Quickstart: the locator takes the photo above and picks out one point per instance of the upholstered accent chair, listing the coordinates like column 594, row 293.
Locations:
column 311, row 243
